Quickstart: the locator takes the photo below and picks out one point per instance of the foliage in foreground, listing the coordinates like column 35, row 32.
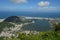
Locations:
column 47, row 35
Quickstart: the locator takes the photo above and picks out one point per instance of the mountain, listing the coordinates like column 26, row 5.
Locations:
column 12, row 19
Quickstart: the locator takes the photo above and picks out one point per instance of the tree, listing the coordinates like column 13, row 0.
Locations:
column 57, row 27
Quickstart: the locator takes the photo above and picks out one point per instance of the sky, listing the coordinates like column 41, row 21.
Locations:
column 30, row 5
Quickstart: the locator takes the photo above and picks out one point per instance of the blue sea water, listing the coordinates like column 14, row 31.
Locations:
column 6, row 14
column 39, row 25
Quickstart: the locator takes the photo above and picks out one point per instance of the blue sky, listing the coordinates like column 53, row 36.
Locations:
column 30, row 5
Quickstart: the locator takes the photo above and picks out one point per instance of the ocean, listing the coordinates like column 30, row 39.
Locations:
column 4, row 14
column 39, row 25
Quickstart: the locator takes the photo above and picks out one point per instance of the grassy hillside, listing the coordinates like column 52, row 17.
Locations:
column 49, row 35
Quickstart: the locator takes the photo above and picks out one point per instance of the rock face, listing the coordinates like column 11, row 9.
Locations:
column 13, row 19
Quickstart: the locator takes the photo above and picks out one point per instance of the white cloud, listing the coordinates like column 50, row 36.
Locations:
column 43, row 4
column 19, row 1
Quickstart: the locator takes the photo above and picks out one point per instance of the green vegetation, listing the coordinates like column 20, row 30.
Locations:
column 5, row 24
column 57, row 27
column 48, row 35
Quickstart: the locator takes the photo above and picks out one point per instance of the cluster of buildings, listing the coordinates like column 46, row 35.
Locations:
column 8, row 32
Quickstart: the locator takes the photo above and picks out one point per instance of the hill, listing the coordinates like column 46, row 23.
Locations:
column 13, row 19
